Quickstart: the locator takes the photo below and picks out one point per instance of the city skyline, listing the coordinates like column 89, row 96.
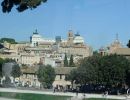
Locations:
column 97, row 21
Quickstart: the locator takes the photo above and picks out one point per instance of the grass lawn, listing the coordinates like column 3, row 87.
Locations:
column 29, row 96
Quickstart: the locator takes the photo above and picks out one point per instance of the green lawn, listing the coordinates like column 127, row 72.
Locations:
column 29, row 96
column 99, row 99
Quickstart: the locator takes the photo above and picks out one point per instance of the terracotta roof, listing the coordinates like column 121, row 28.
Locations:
column 30, row 70
column 58, row 70
column 64, row 70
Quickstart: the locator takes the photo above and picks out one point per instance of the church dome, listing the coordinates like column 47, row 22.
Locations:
column 78, row 39
column 116, row 43
column 36, row 36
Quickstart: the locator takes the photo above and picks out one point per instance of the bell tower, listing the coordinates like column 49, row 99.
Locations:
column 70, row 38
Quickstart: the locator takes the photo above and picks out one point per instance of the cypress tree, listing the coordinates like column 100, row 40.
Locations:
column 71, row 62
column 65, row 61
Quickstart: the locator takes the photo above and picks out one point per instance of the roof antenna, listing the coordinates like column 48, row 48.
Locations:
column 36, row 31
column 117, row 37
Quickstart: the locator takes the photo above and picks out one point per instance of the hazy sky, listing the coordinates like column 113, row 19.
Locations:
column 97, row 21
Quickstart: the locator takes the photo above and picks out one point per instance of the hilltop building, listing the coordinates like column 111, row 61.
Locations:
column 75, row 45
column 36, row 39
column 47, row 51
column 115, row 48
column 111, row 48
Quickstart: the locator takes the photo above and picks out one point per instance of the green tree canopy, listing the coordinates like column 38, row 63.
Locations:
column 16, row 71
column 65, row 61
column 6, row 60
column 9, row 40
column 21, row 5
column 71, row 62
column 73, row 77
column 109, row 70
column 128, row 77
column 46, row 75
column 113, row 68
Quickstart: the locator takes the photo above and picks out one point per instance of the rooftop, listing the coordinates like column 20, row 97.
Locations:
column 122, row 51
column 64, row 70
column 58, row 70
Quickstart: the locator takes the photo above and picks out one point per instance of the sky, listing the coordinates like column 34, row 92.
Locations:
column 98, row 21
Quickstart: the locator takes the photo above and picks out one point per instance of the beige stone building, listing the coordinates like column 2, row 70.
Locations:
column 81, row 51
column 116, row 48
column 122, row 51
column 111, row 48
column 75, row 46
column 115, row 45
column 13, row 51
column 37, row 50
column 29, row 77
column 60, row 80
column 30, row 59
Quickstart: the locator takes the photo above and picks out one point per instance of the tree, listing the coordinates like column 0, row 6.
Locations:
column 6, row 60
column 46, row 75
column 128, row 44
column 16, row 71
column 71, row 62
column 9, row 40
column 21, row 5
column 95, row 52
column 109, row 70
column 72, row 76
column 114, row 69
column 65, row 61
column 85, row 72
column 1, row 63
column 128, row 77
column 95, row 62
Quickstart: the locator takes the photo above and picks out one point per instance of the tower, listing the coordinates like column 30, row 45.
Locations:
column 115, row 45
column 70, row 38
column 117, row 39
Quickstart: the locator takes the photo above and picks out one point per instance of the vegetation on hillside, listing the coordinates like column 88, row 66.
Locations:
column 9, row 40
